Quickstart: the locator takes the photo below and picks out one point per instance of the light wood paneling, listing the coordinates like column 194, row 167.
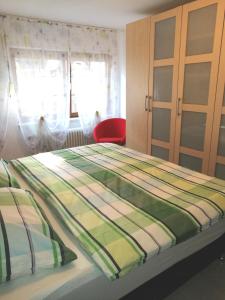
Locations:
column 160, row 144
column 219, row 111
column 213, row 58
column 220, row 160
column 137, row 76
column 164, row 62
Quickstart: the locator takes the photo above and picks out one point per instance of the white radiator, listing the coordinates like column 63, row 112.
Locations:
column 76, row 138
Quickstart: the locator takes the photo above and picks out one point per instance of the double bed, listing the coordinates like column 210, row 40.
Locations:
column 187, row 205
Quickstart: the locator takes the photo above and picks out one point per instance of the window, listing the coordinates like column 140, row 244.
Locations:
column 40, row 79
column 89, row 78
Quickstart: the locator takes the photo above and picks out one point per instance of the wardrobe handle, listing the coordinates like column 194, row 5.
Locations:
column 146, row 99
column 150, row 103
column 179, row 100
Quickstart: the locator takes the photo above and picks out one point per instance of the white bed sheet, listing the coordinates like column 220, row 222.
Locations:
column 82, row 280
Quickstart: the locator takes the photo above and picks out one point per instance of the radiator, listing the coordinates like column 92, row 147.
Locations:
column 76, row 138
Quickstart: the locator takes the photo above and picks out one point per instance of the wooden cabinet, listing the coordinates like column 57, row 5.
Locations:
column 217, row 155
column 182, row 92
column 137, row 61
column 202, row 25
column 164, row 63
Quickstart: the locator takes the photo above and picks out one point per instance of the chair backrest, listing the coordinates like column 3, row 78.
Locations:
column 114, row 127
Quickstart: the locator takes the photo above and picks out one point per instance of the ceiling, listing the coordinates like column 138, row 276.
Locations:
column 105, row 13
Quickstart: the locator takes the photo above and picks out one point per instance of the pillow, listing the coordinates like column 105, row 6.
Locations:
column 28, row 243
column 6, row 179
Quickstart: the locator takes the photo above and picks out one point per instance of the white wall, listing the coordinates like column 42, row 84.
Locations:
column 122, row 65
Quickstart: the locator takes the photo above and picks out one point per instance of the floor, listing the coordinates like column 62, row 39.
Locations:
column 200, row 276
column 209, row 284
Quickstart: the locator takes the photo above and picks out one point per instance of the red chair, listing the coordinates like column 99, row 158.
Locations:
column 111, row 131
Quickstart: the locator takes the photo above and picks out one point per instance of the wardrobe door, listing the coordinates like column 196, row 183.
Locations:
column 164, row 59
column 137, row 75
column 202, row 24
column 217, row 155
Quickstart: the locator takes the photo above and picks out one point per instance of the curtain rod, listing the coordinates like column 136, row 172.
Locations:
column 52, row 22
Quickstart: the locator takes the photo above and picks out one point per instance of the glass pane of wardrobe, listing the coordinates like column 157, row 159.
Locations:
column 200, row 34
column 220, row 171
column 193, row 130
column 190, row 162
column 165, row 38
column 196, row 83
column 162, row 85
column 161, row 124
column 160, row 152
column 221, row 145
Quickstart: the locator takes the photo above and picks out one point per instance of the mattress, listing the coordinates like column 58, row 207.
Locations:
column 84, row 280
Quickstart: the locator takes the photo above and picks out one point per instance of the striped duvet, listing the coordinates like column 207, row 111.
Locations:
column 123, row 206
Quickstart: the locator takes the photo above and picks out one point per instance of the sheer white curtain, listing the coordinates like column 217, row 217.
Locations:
column 4, row 85
column 39, row 64
column 45, row 59
column 91, row 87
column 95, row 74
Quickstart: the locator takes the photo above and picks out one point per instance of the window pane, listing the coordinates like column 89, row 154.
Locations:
column 163, row 81
column 41, row 79
column 74, row 108
column 196, row 83
column 161, row 124
column 90, row 81
column 190, row 162
column 165, row 38
column 160, row 152
column 201, row 29
column 220, row 171
column 221, row 145
column 193, row 130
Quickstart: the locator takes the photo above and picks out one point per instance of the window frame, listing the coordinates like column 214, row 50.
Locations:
column 72, row 114
column 70, row 58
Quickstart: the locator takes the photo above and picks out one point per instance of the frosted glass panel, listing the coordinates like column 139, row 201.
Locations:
column 160, row 152
column 190, row 162
column 193, row 130
column 201, row 29
column 162, row 85
column 161, row 124
column 220, row 171
column 165, row 38
column 221, row 145
column 196, row 83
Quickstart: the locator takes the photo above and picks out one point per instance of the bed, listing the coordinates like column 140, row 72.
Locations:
column 86, row 277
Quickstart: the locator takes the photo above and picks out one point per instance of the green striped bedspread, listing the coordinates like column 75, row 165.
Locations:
column 124, row 207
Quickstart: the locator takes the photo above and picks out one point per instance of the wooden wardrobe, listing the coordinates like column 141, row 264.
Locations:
column 175, row 86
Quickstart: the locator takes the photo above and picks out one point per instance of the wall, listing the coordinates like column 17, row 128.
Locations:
column 122, row 65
